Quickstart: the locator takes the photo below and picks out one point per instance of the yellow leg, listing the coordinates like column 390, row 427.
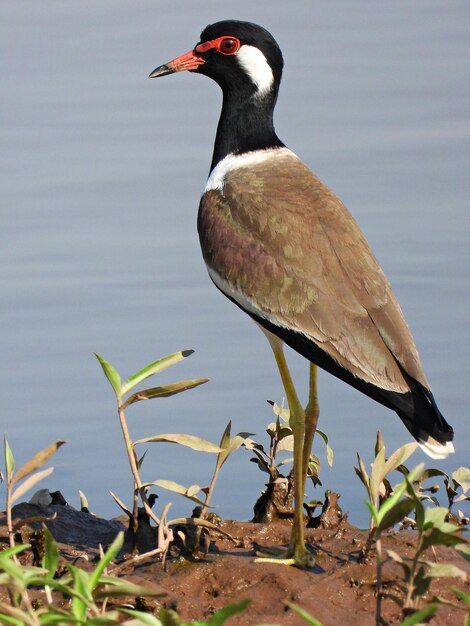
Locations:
column 297, row 552
column 312, row 412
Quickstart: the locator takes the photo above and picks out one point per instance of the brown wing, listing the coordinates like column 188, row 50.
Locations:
column 286, row 246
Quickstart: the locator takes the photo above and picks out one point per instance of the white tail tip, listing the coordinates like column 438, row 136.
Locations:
column 436, row 450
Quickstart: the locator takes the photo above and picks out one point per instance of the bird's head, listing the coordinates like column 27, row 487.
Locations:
column 236, row 55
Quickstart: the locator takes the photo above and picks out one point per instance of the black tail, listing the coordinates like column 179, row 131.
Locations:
column 416, row 408
column 425, row 422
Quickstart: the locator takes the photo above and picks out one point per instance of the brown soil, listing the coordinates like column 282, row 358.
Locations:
column 338, row 590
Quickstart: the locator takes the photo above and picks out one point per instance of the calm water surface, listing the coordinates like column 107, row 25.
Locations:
column 101, row 175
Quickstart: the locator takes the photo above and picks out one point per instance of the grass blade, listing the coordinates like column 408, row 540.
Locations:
column 110, row 554
column 51, row 556
column 142, row 618
column 312, row 621
column 419, row 617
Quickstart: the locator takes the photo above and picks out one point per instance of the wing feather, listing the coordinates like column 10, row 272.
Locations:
column 283, row 242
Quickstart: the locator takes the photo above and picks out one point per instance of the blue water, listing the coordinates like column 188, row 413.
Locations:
column 101, row 172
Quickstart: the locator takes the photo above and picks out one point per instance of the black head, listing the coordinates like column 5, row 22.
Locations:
column 237, row 55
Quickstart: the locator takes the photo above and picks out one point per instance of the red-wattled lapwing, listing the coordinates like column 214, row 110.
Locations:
column 284, row 248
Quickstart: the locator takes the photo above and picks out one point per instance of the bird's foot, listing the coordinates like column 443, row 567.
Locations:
column 299, row 557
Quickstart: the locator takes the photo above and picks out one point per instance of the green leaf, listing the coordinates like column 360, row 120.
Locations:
column 113, row 587
column 280, row 411
column 464, row 550
column 376, row 475
column 9, row 552
column 465, row 597
column 154, row 368
column 141, row 460
column 361, row 472
column 372, row 510
column 304, row 614
column 261, row 462
column 228, row 445
column 435, row 517
column 37, row 460
column 222, row 615
column 461, row 477
column 82, row 597
column 51, row 556
column 165, row 391
column 57, row 618
column 109, row 555
column 379, row 443
column 392, row 500
column 170, row 485
column 121, row 504
column 190, row 441
column 144, row 618
column 83, row 501
column 286, row 443
column 9, row 461
column 436, row 537
column 30, row 482
column 329, row 451
column 432, row 473
column 446, row 570
column 399, row 457
column 112, row 375
column 395, row 514
column 420, row 616
column 419, row 509
column 20, row 619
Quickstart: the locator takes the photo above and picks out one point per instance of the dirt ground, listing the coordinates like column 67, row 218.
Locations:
column 338, row 590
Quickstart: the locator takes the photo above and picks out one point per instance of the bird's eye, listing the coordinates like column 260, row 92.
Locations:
column 229, row 45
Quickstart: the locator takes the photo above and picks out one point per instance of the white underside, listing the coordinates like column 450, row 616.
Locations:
column 246, row 304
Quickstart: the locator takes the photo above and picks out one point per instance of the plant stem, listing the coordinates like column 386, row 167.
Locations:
column 134, row 468
column 409, row 601
column 208, row 497
column 138, row 488
column 378, row 605
column 11, row 537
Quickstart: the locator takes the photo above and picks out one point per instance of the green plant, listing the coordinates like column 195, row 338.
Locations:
column 432, row 530
column 125, row 399
column 456, row 488
column 87, row 593
column 281, row 439
column 388, row 506
column 168, row 617
column 413, row 620
column 30, row 477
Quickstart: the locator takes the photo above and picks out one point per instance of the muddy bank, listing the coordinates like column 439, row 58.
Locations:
column 337, row 590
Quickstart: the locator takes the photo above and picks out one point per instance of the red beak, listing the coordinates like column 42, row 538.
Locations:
column 189, row 61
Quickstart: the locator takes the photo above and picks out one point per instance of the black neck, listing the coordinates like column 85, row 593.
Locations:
column 246, row 124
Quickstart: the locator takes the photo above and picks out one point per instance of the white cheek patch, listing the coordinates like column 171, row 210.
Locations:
column 254, row 63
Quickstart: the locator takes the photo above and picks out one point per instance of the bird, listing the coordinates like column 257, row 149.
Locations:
column 284, row 248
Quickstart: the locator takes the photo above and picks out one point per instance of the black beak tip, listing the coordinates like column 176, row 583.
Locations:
column 162, row 70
